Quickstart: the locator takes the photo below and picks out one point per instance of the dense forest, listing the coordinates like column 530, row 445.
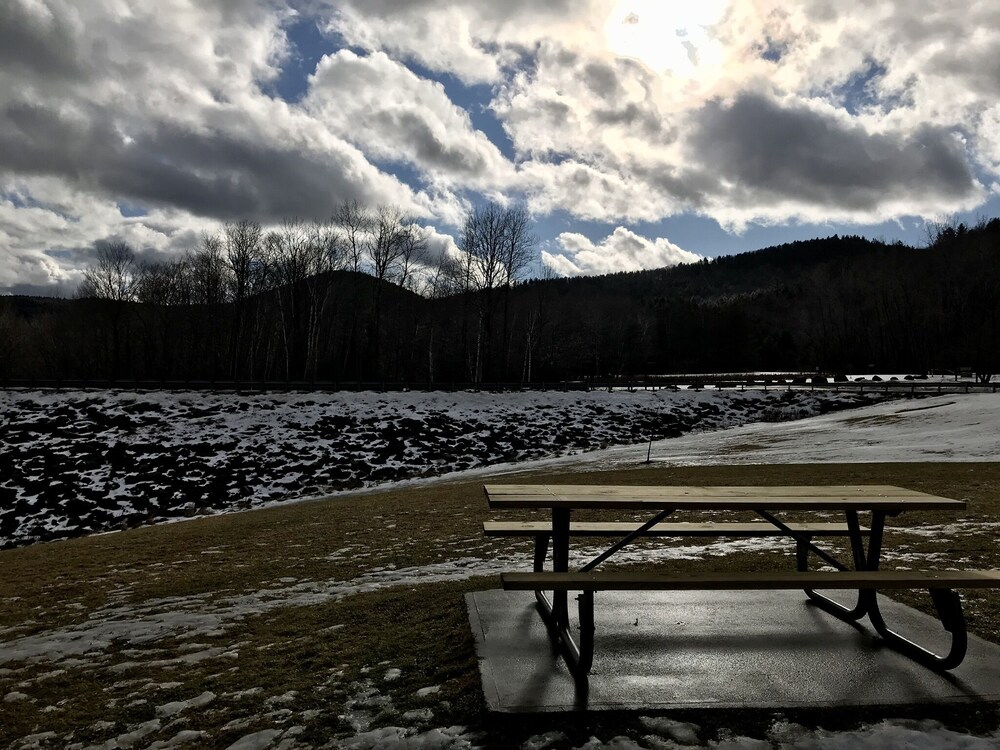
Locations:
column 358, row 299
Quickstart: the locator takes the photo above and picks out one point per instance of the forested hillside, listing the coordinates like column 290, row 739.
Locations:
column 836, row 304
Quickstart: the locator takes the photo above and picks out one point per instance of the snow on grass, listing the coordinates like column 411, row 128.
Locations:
column 940, row 428
column 82, row 462
column 665, row 733
column 175, row 707
column 96, row 642
column 201, row 615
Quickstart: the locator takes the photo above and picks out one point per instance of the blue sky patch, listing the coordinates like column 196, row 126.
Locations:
column 131, row 210
column 307, row 46
column 859, row 93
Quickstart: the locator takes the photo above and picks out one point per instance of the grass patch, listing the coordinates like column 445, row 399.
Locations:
column 319, row 659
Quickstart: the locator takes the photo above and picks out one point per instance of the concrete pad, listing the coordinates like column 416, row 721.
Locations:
column 768, row 649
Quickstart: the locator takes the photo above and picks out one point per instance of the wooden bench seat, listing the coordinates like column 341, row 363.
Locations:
column 621, row 528
column 644, row 581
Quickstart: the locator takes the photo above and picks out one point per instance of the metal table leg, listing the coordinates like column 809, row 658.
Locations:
column 560, row 562
column 862, row 561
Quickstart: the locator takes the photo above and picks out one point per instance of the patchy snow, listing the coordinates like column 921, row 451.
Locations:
column 679, row 731
column 400, row 738
column 199, row 616
column 81, row 462
column 256, row 741
column 176, row 707
column 132, row 737
column 181, row 738
column 965, row 427
column 667, row 733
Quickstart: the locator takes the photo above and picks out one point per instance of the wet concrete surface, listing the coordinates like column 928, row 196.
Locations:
column 720, row 649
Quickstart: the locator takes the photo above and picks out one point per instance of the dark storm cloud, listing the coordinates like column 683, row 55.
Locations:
column 795, row 152
column 207, row 173
column 632, row 116
column 601, row 79
column 43, row 45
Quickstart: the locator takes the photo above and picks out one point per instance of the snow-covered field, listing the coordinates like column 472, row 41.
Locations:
column 963, row 427
column 81, row 462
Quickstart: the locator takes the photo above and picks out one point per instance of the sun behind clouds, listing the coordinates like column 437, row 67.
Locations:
column 670, row 38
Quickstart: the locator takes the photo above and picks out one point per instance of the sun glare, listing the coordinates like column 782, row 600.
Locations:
column 665, row 35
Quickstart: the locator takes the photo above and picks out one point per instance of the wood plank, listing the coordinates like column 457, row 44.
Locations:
column 621, row 528
column 802, row 502
column 626, row 581
column 864, row 490
column 787, row 497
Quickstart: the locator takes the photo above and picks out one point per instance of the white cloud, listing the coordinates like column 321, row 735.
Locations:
column 391, row 113
column 827, row 138
column 619, row 111
column 100, row 103
column 48, row 232
column 622, row 250
column 471, row 39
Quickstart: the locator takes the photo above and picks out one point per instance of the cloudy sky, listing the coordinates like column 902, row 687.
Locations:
column 639, row 133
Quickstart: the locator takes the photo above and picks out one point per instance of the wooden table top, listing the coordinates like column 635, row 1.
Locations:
column 801, row 497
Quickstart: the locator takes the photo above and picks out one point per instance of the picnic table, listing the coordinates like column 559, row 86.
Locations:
column 770, row 504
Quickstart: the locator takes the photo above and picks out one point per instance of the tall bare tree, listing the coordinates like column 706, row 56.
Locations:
column 516, row 255
column 113, row 276
column 355, row 224
column 326, row 252
column 498, row 243
column 385, row 250
column 209, row 272
column 243, row 253
column 287, row 252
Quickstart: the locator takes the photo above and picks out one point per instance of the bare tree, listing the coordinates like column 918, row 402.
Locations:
column 325, row 252
column 498, row 244
column 287, row 262
column 242, row 244
column 517, row 253
column 299, row 258
column 113, row 278
column 442, row 279
column 163, row 283
column 385, row 250
column 208, row 271
column 385, row 242
column 354, row 223
column 114, row 275
column 243, row 249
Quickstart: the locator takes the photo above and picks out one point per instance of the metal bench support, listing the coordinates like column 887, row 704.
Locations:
column 579, row 652
column 949, row 610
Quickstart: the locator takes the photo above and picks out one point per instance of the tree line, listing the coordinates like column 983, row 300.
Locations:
column 341, row 299
column 361, row 298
